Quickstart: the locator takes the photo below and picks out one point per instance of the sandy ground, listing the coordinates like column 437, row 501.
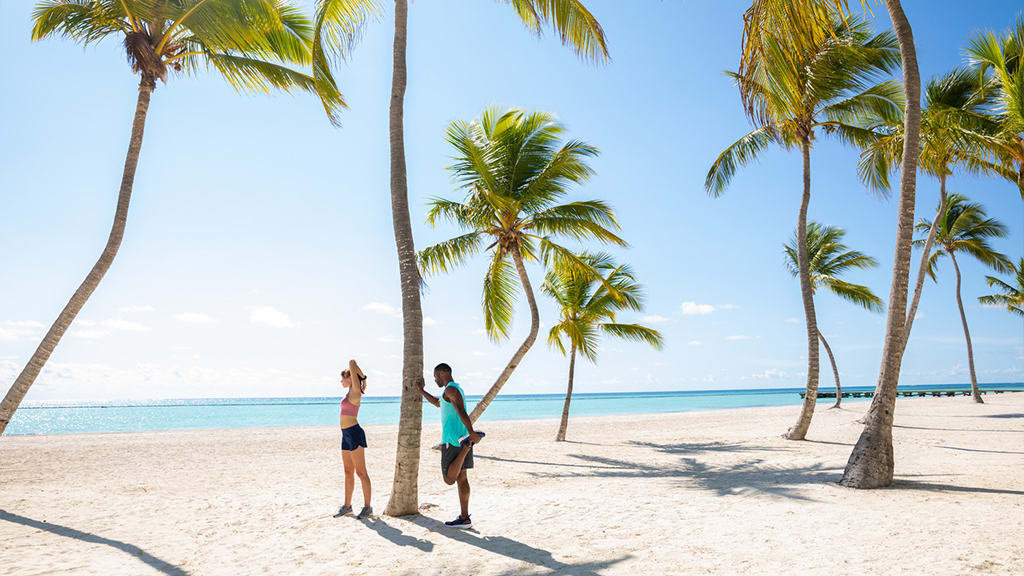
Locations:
column 692, row 493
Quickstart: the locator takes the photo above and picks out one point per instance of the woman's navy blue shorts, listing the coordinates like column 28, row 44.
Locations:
column 353, row 437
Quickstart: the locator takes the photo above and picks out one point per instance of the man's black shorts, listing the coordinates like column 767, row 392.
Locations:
column 449, row 453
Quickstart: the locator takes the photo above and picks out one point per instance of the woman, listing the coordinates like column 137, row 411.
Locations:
column 353, row 440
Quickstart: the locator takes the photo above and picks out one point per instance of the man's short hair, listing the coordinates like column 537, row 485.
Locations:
column 442, row 367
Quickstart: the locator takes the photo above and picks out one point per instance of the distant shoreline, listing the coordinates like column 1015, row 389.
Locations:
column 232, row 413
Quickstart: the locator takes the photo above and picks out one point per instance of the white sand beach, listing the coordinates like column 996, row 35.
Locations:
column 690, row 493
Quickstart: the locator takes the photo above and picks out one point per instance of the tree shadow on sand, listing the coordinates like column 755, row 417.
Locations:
column 750, row 478
column 699, row 447
column 516, row 550
column 396, row 536
column 156, row 563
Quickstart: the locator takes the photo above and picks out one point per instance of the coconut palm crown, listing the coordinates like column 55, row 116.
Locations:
column 1012, row 297
column 249, row 42
column 828, row 258
column 514, row 170
column 1002, row 56
column 587, row 309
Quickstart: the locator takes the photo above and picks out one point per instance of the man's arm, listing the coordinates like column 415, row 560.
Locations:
column 453, row 395
column 430, row 397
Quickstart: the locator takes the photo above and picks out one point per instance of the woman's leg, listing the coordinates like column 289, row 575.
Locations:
column 350, row 469
column 359, row 459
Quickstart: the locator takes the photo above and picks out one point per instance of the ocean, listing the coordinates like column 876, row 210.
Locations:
column 212, row 413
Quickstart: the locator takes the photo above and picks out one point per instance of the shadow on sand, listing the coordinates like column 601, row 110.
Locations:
column 396, row 536
column 515, row 550
column 131, row 549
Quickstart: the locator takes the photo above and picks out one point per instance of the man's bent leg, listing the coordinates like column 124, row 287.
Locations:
column 455, row 468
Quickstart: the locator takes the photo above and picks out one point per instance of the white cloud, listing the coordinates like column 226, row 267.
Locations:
column 270, row 316
column 479, row 353
column 124, row 325
column 653, row 319
column 14, row 330
column 693, row 309
column 694, row 342
column 738, row 337
column 480, row 332
column 88, row 334
column 136, row 308
column 769, row 374
column 193, row 318
column 383, row 309
column 428, row 321
column 727, row 306
column 25, row 324
column 792, row 320
column 389, row 339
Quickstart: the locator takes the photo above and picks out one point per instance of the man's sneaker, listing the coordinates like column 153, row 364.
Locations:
column 460, row 522
column 343, row 511
column 364, row 513
column 464, row 439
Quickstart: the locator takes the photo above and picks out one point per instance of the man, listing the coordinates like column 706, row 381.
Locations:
column 457, row 437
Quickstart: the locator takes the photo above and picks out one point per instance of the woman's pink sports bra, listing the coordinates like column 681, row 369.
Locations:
column 348, row 408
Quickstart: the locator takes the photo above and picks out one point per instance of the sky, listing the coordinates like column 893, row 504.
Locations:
column 259, row 255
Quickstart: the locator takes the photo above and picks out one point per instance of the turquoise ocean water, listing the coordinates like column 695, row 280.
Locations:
column 208, row 413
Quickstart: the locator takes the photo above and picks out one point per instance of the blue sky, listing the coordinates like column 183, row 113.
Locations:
column 259, row 254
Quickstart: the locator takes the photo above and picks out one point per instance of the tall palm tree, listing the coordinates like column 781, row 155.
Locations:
column 247, row 41
column 965, row 228
column 1003, row 56
column 1012, row 297
column 338, row 25
column 871, row 461
column 832, row 87
column 514, row 169
column 828, row 258
column 955, row 132
column 588, row 311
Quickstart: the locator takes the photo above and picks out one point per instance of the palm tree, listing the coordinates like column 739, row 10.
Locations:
column 1002, row 57
column 965, row 228
column 871, row 462
column 514, row 169
column 955, row 130
column 828, row 258
column 338, row 25
column 830, row 86
column 247, row 41
column 588, row 311
column 1012, row 297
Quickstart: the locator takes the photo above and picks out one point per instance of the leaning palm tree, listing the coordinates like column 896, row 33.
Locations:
column 828, row 258
column 588, row 311
column 965, row 228
column 871, row 461
column 247, row 41
column 832, row 87
column 1012, row 297
column 1003, row 56
column 514, row 169
column 338, row 25
column 956, row 129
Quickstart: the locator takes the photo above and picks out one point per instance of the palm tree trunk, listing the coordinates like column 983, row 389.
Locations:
column 967, row 334
column 53, row 336
column 871, row 462
column 835, row 370
column 799, row 430
column 922, row 268
column 568, row 397
column 404, row 492
column 523, row 348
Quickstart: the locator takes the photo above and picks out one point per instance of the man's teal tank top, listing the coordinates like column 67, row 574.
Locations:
column 452, row 427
